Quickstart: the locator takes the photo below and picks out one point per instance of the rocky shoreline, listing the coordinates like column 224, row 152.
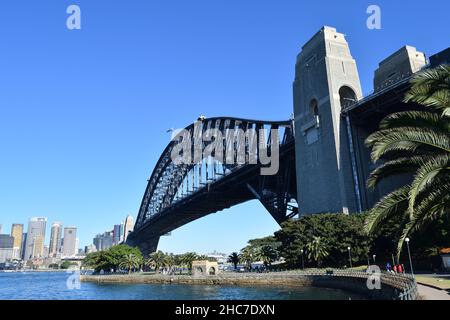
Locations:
column 392, row 287
column 222, row 279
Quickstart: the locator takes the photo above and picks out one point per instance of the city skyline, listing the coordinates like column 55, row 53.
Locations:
column 40, row 240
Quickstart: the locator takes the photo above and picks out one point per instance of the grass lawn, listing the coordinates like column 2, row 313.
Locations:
column 443, row 283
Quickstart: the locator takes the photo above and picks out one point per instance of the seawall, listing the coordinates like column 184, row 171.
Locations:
column 393, row 287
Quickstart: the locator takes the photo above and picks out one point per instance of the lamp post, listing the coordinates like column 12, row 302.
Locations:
column 303, row 262
column 350, row 256
column 409, row 255
column 374, row 256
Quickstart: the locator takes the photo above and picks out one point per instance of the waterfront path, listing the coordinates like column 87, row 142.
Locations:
column 429, row 293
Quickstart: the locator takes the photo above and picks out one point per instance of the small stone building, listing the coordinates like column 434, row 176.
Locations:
column 204, row 268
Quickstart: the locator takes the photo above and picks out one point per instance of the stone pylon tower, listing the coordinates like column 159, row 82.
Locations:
column 326, row 79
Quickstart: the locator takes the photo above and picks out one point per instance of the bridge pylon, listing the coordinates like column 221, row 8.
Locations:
column 326, row 78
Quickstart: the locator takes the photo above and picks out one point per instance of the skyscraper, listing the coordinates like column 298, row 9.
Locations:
column 24, row 244
column 104, row 241
column 122, row 232
column 129, row 225
column 6, row 247
column 116, row 234
column 17, row 234
column 55, row 239
column 36, row 232
column 70, row 241
column 38, row 247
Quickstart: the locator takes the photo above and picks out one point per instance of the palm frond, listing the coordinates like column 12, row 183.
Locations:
column 407, row 139
column 435, row 205
column 421, row 119
column 392, row 204
column 394, row 167
column 431, row 88
column 426, row 176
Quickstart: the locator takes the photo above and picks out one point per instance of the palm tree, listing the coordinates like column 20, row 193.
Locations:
column 170, row 261
column 418, row 143
column 234, row 259
column 130, row 262
column 188, row 258
column 247, row 255
column 267, row 254
column 317, row 250
column 156, row 260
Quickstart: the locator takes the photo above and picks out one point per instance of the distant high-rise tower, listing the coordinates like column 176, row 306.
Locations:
column 55, row 239
column 24, row 243
column 104, row 241
column 117, row 234
column 38, row 247
column 36, row 233
column 17, row 234
column 122, row 232
column 128, row 226
column 6, row 247
column 326, row 80
column 69, row 248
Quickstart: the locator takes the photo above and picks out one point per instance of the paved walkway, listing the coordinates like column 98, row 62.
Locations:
column 428, row 293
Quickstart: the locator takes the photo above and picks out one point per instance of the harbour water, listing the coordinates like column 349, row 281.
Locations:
column 64, row 286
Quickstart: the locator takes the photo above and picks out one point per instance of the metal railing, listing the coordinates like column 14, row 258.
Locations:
column 404, row 285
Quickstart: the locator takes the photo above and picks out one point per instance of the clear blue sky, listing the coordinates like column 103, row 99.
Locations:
column 84, row 114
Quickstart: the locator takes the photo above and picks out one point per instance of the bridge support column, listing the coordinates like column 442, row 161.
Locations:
column 147, row 245
column 326, row 80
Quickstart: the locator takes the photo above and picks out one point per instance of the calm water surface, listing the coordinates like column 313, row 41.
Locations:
column 53, row 286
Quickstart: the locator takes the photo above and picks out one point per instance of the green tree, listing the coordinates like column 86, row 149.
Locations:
column 418, row 143
column 156, row 260
column 110, row 259
column 267, row 254
column 188, row 258
column 130, row 262
column 67, row 264
column 317, row 250
column 247, row 256
column 339, row 230
column 234, row 259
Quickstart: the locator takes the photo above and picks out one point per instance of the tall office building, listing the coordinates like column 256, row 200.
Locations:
column 0, row 229
column 36, row 233
column 17, row 234
column 24, row 243
column 116, row 234
column 55, row 239
column 6, row 247
column 38, row 247
column 104, row 241
column 46, row 251
column 122, row 232
column 129, row 225
column 70, row 241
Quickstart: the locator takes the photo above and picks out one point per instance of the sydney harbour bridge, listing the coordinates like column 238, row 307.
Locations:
column 322, row 161
column 177, row 194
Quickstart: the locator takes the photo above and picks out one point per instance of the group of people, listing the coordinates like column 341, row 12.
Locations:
column 397, row 268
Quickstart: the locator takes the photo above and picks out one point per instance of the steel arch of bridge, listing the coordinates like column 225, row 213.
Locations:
column 179, row 193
